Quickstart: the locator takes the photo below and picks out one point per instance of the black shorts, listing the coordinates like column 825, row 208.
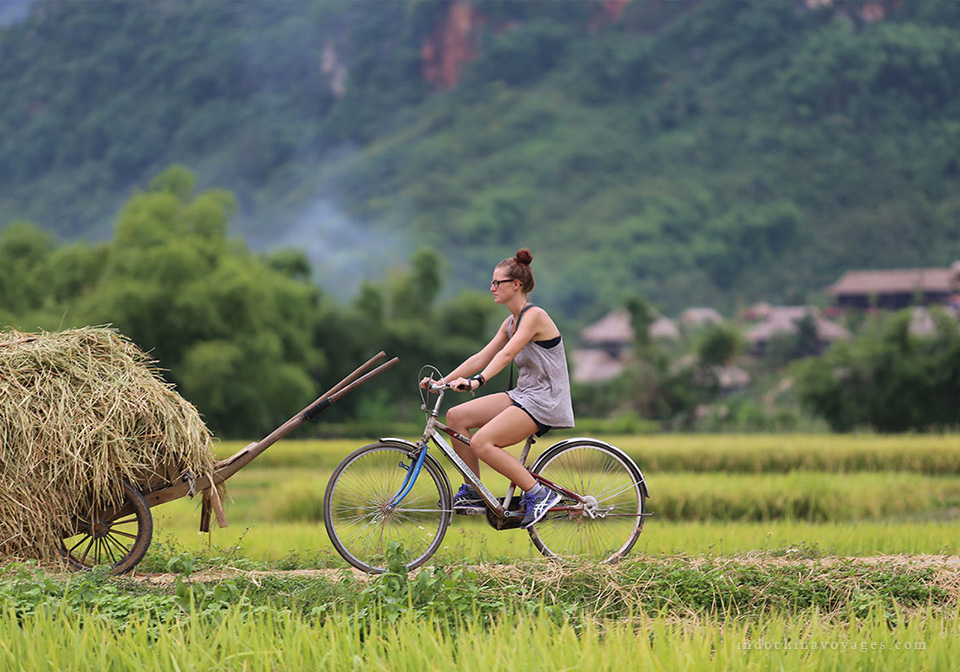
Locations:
column 541, row 428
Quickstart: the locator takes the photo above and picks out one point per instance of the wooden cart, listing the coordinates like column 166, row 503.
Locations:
column 119, row 537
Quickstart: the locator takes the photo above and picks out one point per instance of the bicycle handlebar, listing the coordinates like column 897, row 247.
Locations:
column 444, row 385
column 427, row 384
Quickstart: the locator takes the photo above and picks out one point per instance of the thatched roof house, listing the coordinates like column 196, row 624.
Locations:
column 897, row 288
column 700, row 317
column 591, row 365
column 785, row 320
column 607, row 342
column 664, row 329
column 612, row 333
column 605, row 348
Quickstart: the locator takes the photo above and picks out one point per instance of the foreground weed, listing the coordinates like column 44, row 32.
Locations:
column 279, row 640
column 450, row 597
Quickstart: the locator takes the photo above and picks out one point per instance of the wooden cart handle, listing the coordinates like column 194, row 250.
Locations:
column 224, row 469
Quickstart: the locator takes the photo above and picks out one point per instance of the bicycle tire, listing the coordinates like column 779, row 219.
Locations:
column 359, row 521
column 615, row 489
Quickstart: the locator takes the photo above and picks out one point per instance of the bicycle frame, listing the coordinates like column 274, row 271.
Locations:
column 432, row 433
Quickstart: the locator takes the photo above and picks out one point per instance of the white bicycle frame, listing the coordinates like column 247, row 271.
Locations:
column 432, row 433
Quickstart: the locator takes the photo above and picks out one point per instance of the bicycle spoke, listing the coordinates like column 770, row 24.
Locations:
column 606, row 523
column 360, row 522
column 629, row 487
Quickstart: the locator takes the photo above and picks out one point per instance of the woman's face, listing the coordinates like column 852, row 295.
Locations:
column 502, row 285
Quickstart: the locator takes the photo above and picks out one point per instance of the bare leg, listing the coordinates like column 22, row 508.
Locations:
column 470, row 415
column 508, row 428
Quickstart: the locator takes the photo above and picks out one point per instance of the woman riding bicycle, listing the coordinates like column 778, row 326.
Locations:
column 539, row 402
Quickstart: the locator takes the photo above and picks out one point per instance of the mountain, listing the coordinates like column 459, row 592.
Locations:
column 13, row 11
column 693, row 152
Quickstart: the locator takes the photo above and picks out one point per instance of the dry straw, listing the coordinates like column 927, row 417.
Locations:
column 80, row 412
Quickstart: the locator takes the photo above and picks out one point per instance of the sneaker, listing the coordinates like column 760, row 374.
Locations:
column 468, row 498
column 536, row 504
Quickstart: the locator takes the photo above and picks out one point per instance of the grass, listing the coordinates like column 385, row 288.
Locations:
column 806, row 496
column 275, row 505
column 934, row 454
column 297, row 496
column 747, row 585
column 279, row 640
column 287, row 482
column 307, row 545
column 737, row 593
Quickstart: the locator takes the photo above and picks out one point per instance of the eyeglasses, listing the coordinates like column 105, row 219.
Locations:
column 496, row 283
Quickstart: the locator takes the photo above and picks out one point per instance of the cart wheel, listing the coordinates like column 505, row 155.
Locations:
column 120, row 539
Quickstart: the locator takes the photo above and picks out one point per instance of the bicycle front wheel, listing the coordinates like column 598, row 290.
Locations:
column 361, row 519
column 606, row 524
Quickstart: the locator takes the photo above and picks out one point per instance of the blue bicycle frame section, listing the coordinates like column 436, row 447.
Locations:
column 431, row 434
column 411, row 477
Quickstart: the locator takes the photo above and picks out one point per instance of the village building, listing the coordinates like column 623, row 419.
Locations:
column 607, row 344
column 700, row 317
column 594, row 366
column 664, row 329
column 612, row 334
column 785, row 320
column 605, row 348
column 898, row 288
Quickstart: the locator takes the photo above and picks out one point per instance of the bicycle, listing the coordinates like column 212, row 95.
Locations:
column 378, row 494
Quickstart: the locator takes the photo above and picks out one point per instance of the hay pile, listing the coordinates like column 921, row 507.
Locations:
column 81, row 411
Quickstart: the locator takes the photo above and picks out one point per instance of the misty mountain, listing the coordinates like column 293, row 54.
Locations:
column 13, row 11
column 695, row 153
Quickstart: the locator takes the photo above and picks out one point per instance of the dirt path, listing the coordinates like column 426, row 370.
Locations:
column 212, row 576
column 946, row 563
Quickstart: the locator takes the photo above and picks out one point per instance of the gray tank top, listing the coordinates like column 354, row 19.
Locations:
column 543, row 383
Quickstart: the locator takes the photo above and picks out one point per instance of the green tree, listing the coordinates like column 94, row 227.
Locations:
column 642, row 315
column 889, row 379
column 248, row 338
column 24, row 251
column 235, row 333
column 405, row 318
column 719, row 345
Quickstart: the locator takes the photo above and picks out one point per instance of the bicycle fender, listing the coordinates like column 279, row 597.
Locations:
column 404, row 442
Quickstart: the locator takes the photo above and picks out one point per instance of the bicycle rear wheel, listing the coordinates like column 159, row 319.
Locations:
column 359, row 517
column 607, row 524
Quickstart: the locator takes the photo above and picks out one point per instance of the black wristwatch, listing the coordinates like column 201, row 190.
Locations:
column 480, row 379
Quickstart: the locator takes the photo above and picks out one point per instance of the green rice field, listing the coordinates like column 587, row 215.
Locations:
column 774, row 493
column 763, row 553
column 279, row 641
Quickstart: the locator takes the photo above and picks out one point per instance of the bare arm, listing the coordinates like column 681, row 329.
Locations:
column 502, row 350
column 476, row 362
column 530, row 326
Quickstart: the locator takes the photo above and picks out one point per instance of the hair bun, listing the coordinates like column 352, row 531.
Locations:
column 524, row 256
